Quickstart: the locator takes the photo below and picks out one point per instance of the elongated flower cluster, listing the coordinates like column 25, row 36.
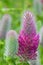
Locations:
column 28, row 37
column 42, row 1
column 41, row 36
column 5, row 25
column 42, row 4
column 11, row 44
column 37, row 6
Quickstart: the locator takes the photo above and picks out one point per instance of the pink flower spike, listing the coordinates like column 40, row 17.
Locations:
column 28, row 38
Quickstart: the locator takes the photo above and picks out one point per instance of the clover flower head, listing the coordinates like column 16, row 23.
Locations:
column 11, row 44
column 28, row 37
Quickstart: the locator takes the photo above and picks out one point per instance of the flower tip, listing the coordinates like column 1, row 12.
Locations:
column 12, row 33
column 6, row 17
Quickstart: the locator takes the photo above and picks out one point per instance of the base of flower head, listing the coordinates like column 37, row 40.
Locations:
column 28, row 46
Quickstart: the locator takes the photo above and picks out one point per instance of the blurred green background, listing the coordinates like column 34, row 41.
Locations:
column 15, row 9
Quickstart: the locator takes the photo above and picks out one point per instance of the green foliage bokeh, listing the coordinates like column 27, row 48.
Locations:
column 15, row 9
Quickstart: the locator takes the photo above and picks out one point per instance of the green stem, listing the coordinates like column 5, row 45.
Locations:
column 26, row 63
